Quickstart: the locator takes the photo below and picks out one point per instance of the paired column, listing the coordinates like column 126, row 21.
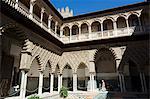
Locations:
column 42, row 12
column 127, row 22
column 56, row 24
column 23, row 84
column 49, row 22
column 59, row 82
column 79, row 32
column 75, row 82
column 102, row 29
column 40, row 82
column 92, row 86
column 32, row 2
column 90, row 31
column 143, row 82
column 115, row 28
column 122, row 82
column 70, row 34
column 51, row 82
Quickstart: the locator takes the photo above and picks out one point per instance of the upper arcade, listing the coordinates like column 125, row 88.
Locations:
column 111, row 23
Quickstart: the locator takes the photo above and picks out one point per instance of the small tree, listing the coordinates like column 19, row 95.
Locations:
column 63, row 92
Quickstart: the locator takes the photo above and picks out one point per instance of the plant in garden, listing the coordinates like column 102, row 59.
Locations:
column 34, row 97
column 63, row 92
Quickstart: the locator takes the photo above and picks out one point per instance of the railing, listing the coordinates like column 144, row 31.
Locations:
column 103, row 35
column 25, row 11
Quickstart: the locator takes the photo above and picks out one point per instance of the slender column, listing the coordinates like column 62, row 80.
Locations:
column 102, row 29
column 120, row 80
column 127, row 22
column 40, row 82
column 52, row 82
column 90, row 82
column 140, row 25
column 79, row 32
column 93, row 86
column 70, row 33
column 89, row 31
column 115, row 28
column 56, row 24
column 74, row 82
column 22, row 84
column 24, row 87
column 49, row 22
column 59, row 82
column 143, row 83
column 42, row 12
column 32, row 2
column 123, row 83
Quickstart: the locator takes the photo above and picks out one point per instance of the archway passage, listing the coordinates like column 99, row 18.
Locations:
column 121, row 22
column 46, row 78
column 105, row 66
column 66, row 31
column 96, row 26
column 84, row 28
column 75, row 30
column 133, row 82
column 83, row 76
column 67, row 80
column 57, row 71
column 108, row 25
column 33, row 78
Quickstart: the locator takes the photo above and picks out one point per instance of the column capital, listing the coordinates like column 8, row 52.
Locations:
column 33, row 1
column 50, row 17
column 42, row 10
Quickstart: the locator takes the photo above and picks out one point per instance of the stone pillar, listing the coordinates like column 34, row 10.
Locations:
column 59, row 82
column 74, row 81
column 102, row 29
column 49, row 22
column 32, row 2
column 0, row 51
column 40, row 82
column 51, row 82
column 90, row 31
column 93, row 85
column 127, row 22
column 56, row 24
column 115, row 28
column 23, row 84
column 143, row 82
column 90, row 82
column 42, row 12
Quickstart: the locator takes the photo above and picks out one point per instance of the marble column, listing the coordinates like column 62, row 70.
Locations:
column 49, row 22
column 59, row 82
column 90, row 82
column 75, row 82
column 90, row 31
column 23, row 84
column 42, row 12
column 70, row 33
column 127, row 22
column 32, row 3
column 52, row 83
column 40, row 82
column 79, row 32
column 102, row 29
column 143, row 82
column 56, row 24
column 93, row 85
column 140, row 25
column 122, row 81
column 115, row 28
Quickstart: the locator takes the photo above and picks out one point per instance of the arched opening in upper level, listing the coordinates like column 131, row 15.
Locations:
column 45, row 19
column 67, row 76
column 82, row 75
column 84, row 28
column 37, row 12
column 108, row 24
column 53, row 25
column 121, row 22
column 66, row 31
column 75, row 30
column 96, row 26
column 133, row 20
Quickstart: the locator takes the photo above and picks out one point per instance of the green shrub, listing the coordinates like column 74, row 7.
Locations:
column 63, row 92
column 34, row 97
